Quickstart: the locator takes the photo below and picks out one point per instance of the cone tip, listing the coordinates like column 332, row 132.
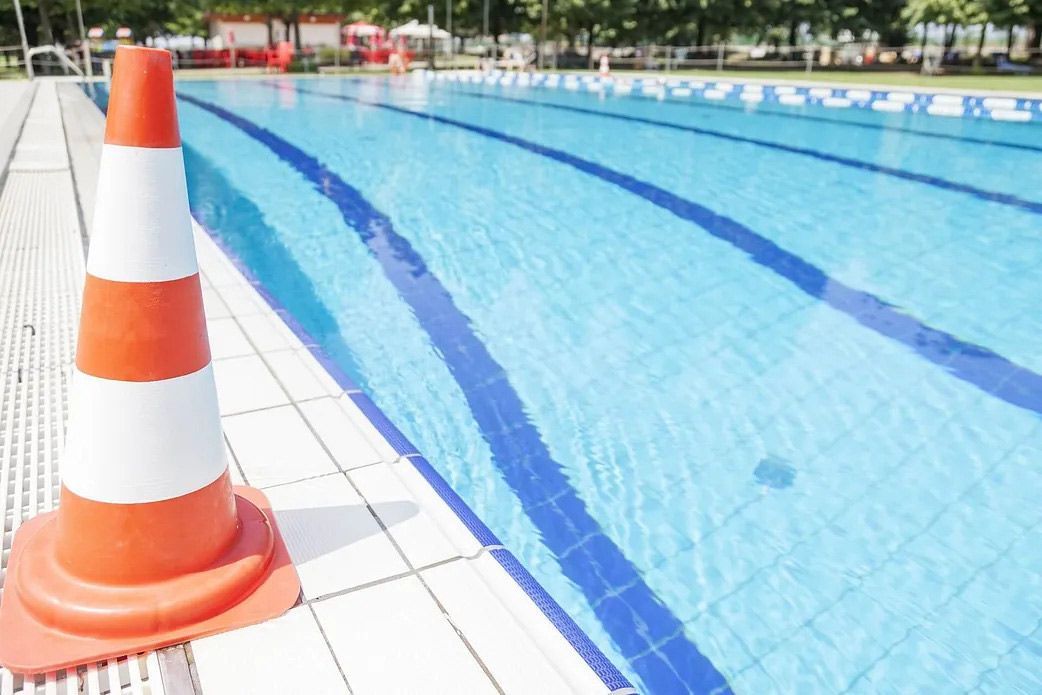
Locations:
column 135, row 51
column 141, row 109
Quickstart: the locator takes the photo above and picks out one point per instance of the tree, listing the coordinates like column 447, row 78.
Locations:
column 865, row 18
column 596, row 19
column 1009, row 14
column 1034, row 14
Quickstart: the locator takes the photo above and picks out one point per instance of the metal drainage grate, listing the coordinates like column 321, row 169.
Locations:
column 139, row 675
column 41, row 275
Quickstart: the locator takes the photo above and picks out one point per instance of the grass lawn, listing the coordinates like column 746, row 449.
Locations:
column 1007, row 83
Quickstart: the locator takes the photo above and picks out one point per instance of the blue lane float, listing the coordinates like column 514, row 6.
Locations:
column 804, row 115
column 951, row 105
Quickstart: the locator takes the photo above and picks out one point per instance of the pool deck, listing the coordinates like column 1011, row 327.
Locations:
column 398, row 592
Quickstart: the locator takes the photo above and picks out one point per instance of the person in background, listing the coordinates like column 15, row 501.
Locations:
column 395, row 62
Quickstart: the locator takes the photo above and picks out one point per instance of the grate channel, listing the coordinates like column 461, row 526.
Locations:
column 41, row 275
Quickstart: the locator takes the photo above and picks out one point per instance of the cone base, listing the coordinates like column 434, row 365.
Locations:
column 28, row 645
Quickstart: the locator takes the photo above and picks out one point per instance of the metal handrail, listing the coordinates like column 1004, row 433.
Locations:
column 58, row 50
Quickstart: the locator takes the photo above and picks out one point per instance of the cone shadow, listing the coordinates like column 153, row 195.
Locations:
column 314, row 532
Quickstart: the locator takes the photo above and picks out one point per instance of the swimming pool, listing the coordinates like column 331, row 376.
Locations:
column 754, row 392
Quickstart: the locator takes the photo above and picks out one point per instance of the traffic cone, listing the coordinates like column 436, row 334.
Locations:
column 150, row 545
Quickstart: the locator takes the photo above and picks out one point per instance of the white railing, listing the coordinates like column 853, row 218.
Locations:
column 44, row 59
column 848, row 57
column 716, row 57
column 60, row 58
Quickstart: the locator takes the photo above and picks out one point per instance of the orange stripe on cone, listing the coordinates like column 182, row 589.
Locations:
column 197, row 528
column 142, row 75
column 142, row 331
column 150, row 545
column 52, row 618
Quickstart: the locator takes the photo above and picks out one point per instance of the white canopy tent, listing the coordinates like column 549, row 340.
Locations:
column 418, row 36
column 414, row 30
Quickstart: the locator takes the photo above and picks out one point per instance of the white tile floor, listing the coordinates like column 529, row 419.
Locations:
column 403, row 625
column 399, row 597
column 346, row 445
column 255, row 659
column 245, row 384
column 352, row 549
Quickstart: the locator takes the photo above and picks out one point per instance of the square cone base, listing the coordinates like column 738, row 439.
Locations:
column 29, row 647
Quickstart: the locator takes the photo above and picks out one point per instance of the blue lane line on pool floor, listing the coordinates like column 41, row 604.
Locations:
column 762, row 110
column 238, row 233
column 647, row 634
column 935, row 181
column 239, row 226
column 974, row 364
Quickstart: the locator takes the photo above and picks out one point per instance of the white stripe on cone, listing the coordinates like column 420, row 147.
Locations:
column 142, row 225
column 132, row 442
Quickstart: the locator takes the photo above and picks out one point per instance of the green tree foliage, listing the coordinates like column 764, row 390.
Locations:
column 603, row 22
column 50, row 21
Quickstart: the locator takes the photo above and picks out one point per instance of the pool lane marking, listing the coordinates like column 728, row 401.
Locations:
column 646, row 632
column 935, row 181
column 974, row 364
column 760, row 110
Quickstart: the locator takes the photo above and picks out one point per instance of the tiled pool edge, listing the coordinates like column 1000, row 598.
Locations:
column 606, row 671
column 737, row 90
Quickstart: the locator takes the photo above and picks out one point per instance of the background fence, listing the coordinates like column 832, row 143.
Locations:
column 845, row 57
column 851, row 57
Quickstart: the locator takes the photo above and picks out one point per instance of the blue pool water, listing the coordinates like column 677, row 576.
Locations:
column 755, row 393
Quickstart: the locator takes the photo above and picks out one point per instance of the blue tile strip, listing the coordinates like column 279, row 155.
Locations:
column 974, row 364
column 398, row 441
column 646, row 632
column 935, row 181
column 606, row 670
column 465, row 514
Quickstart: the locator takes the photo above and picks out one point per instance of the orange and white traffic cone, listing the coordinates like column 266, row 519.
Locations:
column 150, row 545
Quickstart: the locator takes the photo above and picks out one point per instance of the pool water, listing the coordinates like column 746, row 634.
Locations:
column 753, row 392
